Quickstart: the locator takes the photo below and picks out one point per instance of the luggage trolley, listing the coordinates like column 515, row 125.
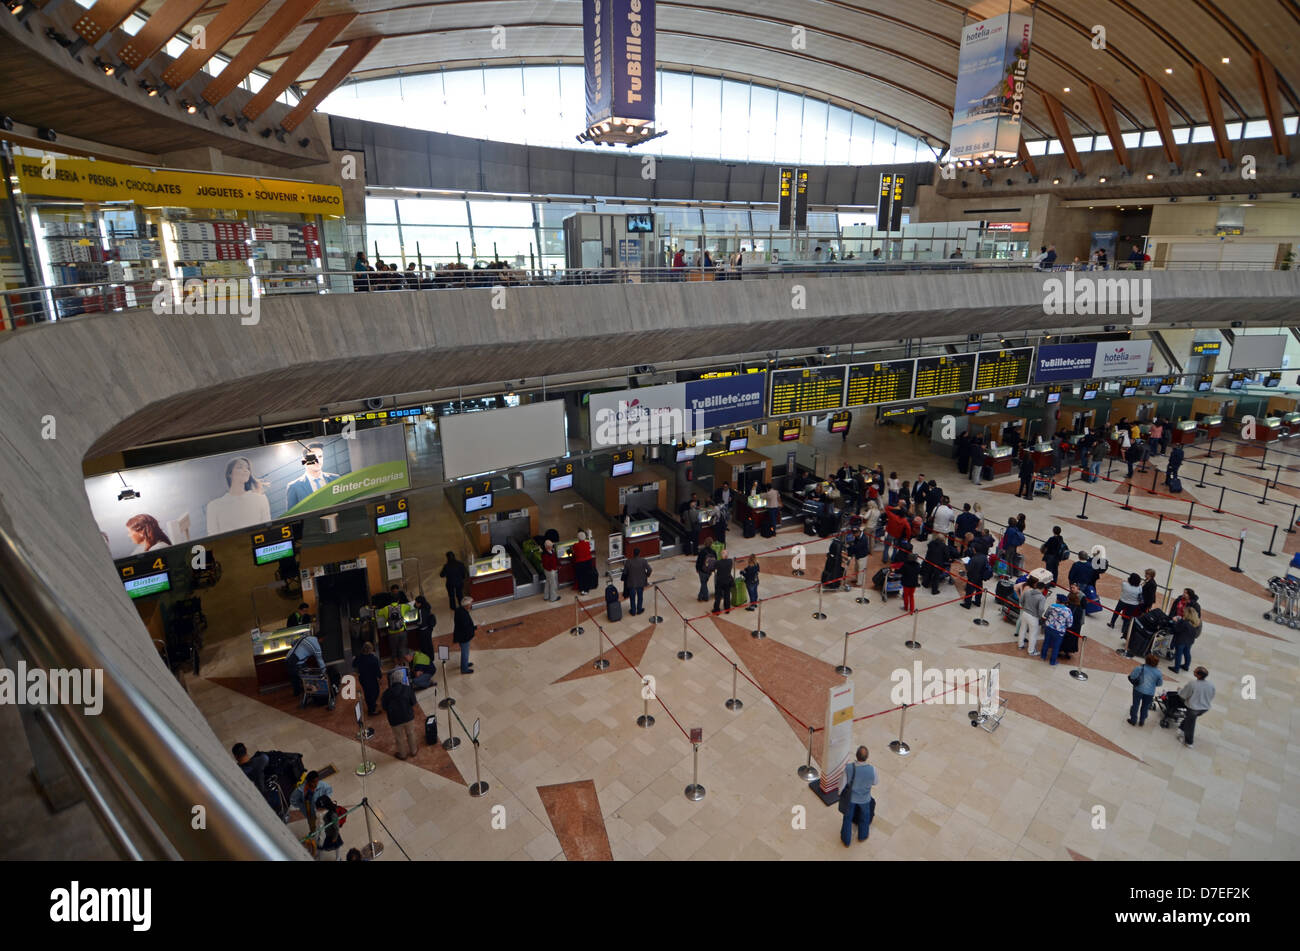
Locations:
column 1279, row 588
column 316, row 685
column 992, row 705
column 1043, row 482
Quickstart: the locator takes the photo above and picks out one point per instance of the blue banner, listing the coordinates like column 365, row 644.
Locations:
column 633, row 58
column 727, row 400
column 597, row 57
column 1067, row 361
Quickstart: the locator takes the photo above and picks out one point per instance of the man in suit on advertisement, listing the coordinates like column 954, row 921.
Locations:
column 313, row 476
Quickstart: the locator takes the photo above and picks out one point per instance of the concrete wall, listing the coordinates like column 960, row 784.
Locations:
column 112, row 380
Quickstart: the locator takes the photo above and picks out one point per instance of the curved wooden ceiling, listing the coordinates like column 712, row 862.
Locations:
column 895, row 59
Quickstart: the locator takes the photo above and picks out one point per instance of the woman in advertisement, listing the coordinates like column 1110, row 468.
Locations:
column 146, row 534
column 245, row 502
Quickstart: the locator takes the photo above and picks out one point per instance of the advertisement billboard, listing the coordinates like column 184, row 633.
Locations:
column 596, row 59
column 1064, row 361
column 184, row 501
column 1121, row 358
column 618, row 52
column 991, row 68
column 675, row 411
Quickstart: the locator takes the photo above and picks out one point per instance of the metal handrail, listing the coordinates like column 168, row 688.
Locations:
column 141, row 778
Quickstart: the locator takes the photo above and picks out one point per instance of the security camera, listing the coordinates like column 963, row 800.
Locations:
column 310, row 459
column 127, row 494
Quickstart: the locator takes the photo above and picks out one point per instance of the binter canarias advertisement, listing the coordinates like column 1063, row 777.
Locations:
column 184, row 501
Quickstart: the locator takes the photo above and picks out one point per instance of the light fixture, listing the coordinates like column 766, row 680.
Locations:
column 1169, row 70
column 1150, row 176
column 127, row 493
column 46, row 134
column 15, row 7
column 108, row 68
column 189, row 107
column 1066, row 89
column 1102, row 179
column 1214, row 198
column 227, row 120
column 304, row 142
column 1225, row 61
column 1056, row 181
column 1199, row 173
column 7, row 123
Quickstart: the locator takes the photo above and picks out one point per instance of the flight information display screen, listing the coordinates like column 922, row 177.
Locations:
column 999, row 368
column 871, row 383
column 807, row 390
column 943, row 376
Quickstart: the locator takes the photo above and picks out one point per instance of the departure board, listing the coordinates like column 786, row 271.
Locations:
column 808, row 390
column 999, row 368
column 871, row 383
column 943, row 376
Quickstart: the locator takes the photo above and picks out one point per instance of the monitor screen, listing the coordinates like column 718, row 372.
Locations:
column 621, row 469
column 1013, row 402
column 476, row 503
column 640, row 224
column 972, row 407
column 1202, row 386
column 1129, row 391
column 146, row 585
column 1053, row 398
column 685, row 455
column 1089, row 394
column 275, row 551
column 1273, row 381
column 561, row 482
column 736, row 445
column 392, row 523
column 1164, row 388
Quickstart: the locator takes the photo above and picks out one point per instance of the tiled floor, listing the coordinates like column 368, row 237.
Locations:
column 1064, row 777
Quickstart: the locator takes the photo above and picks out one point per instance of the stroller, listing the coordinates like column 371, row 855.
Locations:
column 1172, row 709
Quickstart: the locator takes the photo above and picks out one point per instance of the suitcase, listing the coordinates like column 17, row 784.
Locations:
column 1139, row 641
column 810, row 526
column 739, row 593
column 1005, row 592
column 749, row 529
column 614, row 610
column 986, row 474
column 1176, row 485
column 431, row 730
column 894, row 583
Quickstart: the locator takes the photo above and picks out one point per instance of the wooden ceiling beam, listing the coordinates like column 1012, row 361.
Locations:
column 352, row 54
column 1266, row 76
column 297, row 61
column 259, row 46
column 1210, row 95
column 1160, row 115
column 1111, row 123
column 1026, row 159
column 215, row 35
column 1056, row 113
column 104, row 17
column 165, row 23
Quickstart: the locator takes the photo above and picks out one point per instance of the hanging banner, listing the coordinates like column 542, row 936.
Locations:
column 675, row 411
column 108, row 181
column 596, row 60
column 1121, row 358
column 991, row 70
column 839, row 735
column 634, row 59
column 1064, row 361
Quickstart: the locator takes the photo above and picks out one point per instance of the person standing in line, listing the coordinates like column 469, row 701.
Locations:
column 977, row 570
column 636, row 574
column 463, row 633
column 1130, row 603
column 750, row 574
column 910, row 573
column 1175, row 463
column 1186, row 630
column 1056, row 621
column 425, row 623
column 1154, row 435
column 1166, row 436
column 1032, row 604
column 399, row 703
column 454, row 573
column 1096, row 456
column 723, row 582
column 1012, row 539
column 692, row 519
column 1146, row 679
column 963, row 452
column 1026, row 487
column 368, row 669
column 858, row 777
column 1081, row 573
column 894, row 487
column 551, row 568
column 587, row 578
column 1149, row 589
column 1197, row 697
column 705, row 562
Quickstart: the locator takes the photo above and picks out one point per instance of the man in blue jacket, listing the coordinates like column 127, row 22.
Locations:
column 859, row 777
column 1146, row 680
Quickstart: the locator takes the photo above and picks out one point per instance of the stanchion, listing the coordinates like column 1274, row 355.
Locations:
column 862, row 588
column 758, row 633
column 1264, row 495
column 1271, row 539
column 684, row 653
column 898, row 746
column 645, row 720
column 1188, row 524
column 602, row 663
column 1128, row 491
column 1277, row 474
column 479, row 787
column 1204, row 466
column 808, row 772
column 844, row 669
column 818, row 615
column 1155, row 474
column 695, row 792
column 452, row 741
column 1083, row 511
column 1066, row 487
column 984, row 601
column 1240, row 545
column 1219, row 509
column 654, row 617
column 1159, row 525
column 1222, row 456
column 912, row 643
column 1262, row 458
column 1210, row 449
column 577, row 615
column 367, row 767
column 373, row 849
column 1079, row 673
column 735, row 703
column 1110, row 464
column 1290, row 528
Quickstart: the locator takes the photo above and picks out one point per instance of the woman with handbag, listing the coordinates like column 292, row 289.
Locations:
column 856, row 802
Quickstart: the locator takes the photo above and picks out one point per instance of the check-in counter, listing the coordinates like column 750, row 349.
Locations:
column 271, row 656
column 410, row 623
column 999, row 459
column 643, row 534
column 1268, row 429
column 1041, row 455
column 1185, row 432
column 1211, row 426
column 564, row 552
column 1290, row 424
column 490, row 578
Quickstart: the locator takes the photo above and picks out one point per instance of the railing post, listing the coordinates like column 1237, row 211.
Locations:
column 1240, row 545
column 1263, row 457
column 684, row 653
column 1128, row 491
column 1290, row 529
column 844, row 669
column 1066, row 487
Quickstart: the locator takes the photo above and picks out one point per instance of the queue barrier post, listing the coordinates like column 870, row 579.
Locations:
column 1083, row 512
column 1263, row 497
column 818, row 615
column 1219, row 509
column 1066, row 487
column 808, row 772
column 452, row 741
column 1290, row 528
column 1241, row 543
column 1159, row 525
column 480, row 787
column 734, row 703
column 1188, row 524
column 758, row 633
column 844, row 669
column 695, row 792
column 913, row 643
column 602, row 662
column 1277, row 474
column 577, row 615
column 898, row 746
column 1210, row 451
column 1222, row 456
column 1128, row 491
column 1271, row 539
column 684, row 653
column 654, row 616
column 1155, row 474
column 1079, row 673
column 1263, row 457
column 1204, row 466
column 645, row 720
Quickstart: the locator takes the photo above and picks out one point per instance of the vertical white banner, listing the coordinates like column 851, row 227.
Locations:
column 839, row 734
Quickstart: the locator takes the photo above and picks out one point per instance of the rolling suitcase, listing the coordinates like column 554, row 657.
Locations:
column 749, row 529
column 1143, row 631
column 1005, row 592
column 613, row 606
column 431, row 730
column 810, row 526
column 1176, row 485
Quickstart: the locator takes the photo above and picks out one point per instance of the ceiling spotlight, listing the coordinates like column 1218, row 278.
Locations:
column 1252, row 196
column 46, row 134
column 1169, row 70
column 304, row 142
column 1199, row 173
column 127, row 494
column 227, row 120
column 108, row 68
column 1150, row 176
column 1066, row 89
column 15, row 7
column 1102, row 179
column 1214, row 198
column 1056, row 181
column 1225, row 61
column 189, row 106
